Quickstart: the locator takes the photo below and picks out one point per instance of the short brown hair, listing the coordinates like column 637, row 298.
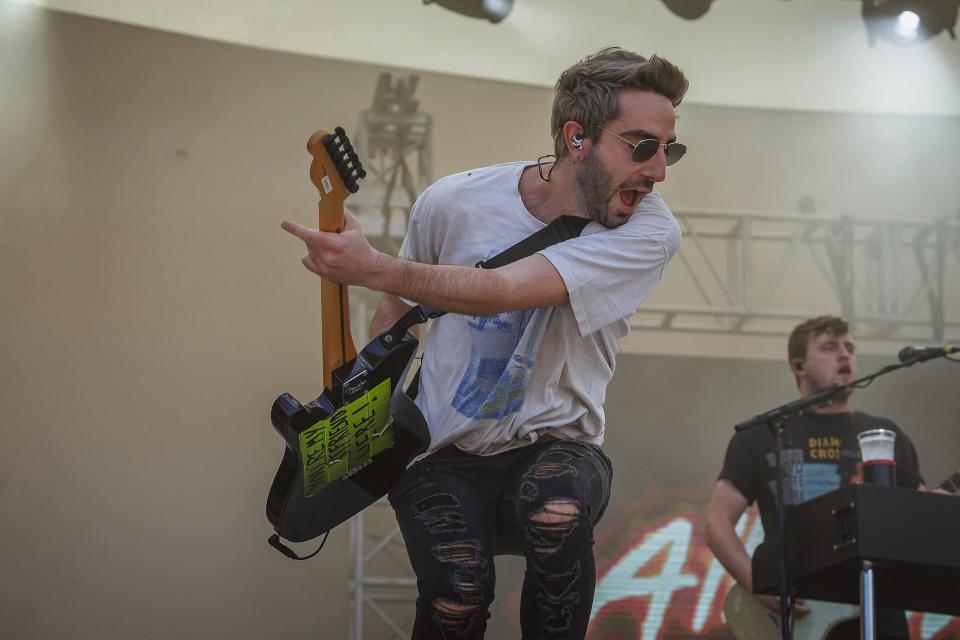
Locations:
column 587, row 92
column 800, row 336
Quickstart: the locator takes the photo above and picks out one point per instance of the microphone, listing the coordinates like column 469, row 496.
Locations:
column 922, row 354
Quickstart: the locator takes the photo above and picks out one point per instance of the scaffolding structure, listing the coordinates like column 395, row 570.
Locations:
column 760, row 274
column 389, row 594
column 395, row 141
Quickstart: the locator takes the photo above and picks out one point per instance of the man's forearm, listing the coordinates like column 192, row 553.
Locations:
column 453, row 288
column 390, row 309
column 347, row 258
column 723, row 540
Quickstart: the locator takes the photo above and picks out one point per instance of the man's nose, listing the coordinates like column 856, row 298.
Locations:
column 656, row 167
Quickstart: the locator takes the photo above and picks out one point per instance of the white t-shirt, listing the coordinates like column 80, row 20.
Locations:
column 489, row 384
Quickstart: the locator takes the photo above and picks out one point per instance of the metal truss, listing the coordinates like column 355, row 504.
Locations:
column 395, row 143
column 376, row 547
column 383, row 588
column 760, row 274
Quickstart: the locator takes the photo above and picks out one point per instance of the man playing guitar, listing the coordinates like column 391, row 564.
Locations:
column 821, row 454
column 513, row 378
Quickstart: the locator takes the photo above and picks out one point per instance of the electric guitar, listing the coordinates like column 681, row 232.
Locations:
column 749, row 619
column 342, row 450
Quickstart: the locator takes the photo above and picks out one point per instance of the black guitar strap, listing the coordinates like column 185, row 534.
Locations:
column 563, row 228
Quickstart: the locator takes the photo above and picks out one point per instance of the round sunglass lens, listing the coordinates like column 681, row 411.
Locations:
column 645, row 150
column 674, row 151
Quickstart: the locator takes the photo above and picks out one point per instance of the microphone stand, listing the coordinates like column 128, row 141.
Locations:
column 776, row 422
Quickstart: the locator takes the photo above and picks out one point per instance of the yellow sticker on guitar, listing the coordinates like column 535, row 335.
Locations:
column 345, row 442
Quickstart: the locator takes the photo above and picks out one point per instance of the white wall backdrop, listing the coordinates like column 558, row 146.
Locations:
column 809, row 55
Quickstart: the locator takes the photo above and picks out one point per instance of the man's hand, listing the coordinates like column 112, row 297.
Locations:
column 939, row 490
column 773, row 603
column 344, row 258
column 857, row 477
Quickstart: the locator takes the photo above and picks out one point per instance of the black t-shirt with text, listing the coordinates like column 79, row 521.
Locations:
column 820, row 455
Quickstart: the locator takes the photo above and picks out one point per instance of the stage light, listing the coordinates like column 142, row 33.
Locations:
column 908, row 24
column 492, row 10
column 909, row 21
column 688, row 9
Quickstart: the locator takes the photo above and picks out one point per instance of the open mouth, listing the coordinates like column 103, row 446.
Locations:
column 844, row 370
column 630, row 197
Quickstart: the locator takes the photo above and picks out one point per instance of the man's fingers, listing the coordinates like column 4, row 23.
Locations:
column 310, row 264
column 770, row 602
column 296, row 229
column 773, row 603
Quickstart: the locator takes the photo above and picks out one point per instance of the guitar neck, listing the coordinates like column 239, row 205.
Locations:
column 334, row 172
column 338, row 347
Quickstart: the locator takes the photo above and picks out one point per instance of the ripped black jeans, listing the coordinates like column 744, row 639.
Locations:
column 457, row 510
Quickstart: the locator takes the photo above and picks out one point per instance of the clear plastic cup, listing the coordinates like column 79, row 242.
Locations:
column 877, row 453
column 877, row 445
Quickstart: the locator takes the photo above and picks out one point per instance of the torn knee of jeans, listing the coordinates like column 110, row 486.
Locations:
column 440, row 513
column 468, row 585
column 454, row 616
column 529, row 491
column 464, row 552
column 470, row 574
column 550, row 526
column 558, row 587
column 542, row 470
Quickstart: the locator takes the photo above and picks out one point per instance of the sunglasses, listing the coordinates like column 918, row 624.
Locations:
column 646, row 149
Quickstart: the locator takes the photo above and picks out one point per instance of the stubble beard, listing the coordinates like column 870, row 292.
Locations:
column 596, row 191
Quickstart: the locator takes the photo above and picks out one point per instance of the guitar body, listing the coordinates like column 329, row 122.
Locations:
column 749, row 619
column 299, row 506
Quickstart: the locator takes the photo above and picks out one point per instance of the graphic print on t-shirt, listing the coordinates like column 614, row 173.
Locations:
column 496, row 377
column 810, row 472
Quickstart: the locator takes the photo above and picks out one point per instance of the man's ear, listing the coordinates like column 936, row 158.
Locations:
column 797, row 365
column 574, row 135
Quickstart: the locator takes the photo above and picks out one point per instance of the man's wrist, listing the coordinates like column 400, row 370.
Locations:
column 377, row 274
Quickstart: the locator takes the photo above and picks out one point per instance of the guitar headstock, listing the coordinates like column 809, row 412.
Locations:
column 335, row 168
